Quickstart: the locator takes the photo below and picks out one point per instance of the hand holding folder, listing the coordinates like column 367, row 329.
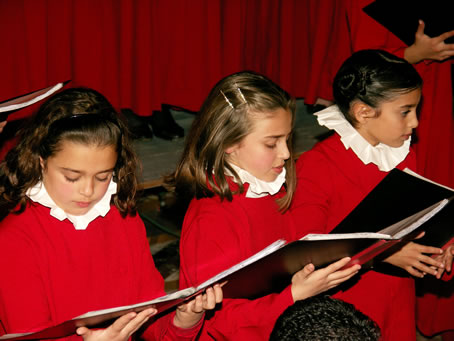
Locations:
column 402, row 17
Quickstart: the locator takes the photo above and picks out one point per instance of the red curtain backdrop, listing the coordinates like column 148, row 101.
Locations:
column 143, row 53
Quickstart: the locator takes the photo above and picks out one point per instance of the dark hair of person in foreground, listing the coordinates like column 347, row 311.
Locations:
column 321, row 318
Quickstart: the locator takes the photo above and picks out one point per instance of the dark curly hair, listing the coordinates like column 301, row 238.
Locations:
column 372, row 77
column 80, row 115
column 322, row 318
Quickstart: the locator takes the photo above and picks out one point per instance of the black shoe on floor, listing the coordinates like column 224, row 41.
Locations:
column 138, row 125
column 164, row 126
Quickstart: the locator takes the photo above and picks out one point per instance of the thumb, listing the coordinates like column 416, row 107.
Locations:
column 82, row 331
column 308, row 269
column 421, row 26
column 302, row 274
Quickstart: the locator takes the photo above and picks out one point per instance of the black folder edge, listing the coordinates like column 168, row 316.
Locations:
column 40, row 95
column 401, row 18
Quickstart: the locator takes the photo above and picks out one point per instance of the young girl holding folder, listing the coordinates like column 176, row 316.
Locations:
column 377, row 95
column 73, row 242
column 238, row 169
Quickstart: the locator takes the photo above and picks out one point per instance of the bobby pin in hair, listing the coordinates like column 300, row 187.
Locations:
column 227, row 100
column 241, row 94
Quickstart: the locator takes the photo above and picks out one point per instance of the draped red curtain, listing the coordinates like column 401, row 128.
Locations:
column 143, row 53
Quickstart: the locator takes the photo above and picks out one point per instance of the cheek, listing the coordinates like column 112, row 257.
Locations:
column 66, row 189
column 265, row 158
column 101, row 189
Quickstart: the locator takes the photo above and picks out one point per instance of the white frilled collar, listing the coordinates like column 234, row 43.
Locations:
column 385, row 157
column 38, row 193
column 259, row 188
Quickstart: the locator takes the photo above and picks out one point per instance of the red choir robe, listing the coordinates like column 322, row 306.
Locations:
column 353, row 30
column 331, row 182
column 218, row 234
column 52, row 272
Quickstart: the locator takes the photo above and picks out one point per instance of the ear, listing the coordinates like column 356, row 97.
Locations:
column 231, row 149
column 41, row 163
column 362, row 112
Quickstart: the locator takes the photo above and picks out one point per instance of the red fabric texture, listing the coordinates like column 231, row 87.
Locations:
column 331, row 182
column 435, row 308
column 321, row 38
column 52, row 273
column 352, row 30
column 434, row 148
column 142, row 53
column 216, row 235
column 344, row 29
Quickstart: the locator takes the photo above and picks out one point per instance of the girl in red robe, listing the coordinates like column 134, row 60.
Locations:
column 377, row 95
column 234, row 166
column 73, row 242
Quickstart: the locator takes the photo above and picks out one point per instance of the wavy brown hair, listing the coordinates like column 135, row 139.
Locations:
column 224, row 120
column 79, row 115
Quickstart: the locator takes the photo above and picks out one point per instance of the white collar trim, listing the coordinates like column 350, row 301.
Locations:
column 38, row 193
column 382, row 155
column 259, row 188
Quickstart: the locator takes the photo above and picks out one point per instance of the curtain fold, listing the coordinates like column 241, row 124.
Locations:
column 143, row 53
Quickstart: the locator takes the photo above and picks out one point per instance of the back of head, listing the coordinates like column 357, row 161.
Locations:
column 372, row 77
column 321, row 318
column 225, row 118
column 78, row 115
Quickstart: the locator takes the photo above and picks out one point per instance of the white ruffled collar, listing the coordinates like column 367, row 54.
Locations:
column 38, row 193
column 385, row 157
column 259, row 188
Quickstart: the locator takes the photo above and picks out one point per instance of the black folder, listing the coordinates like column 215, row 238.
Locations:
column 14, row 104
column 401, row 17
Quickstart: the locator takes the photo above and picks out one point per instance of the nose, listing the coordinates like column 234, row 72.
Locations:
column 412, row 120
column 284, row 153
column 87, row 188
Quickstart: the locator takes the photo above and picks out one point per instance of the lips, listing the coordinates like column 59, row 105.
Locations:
column 278, row 169
column 83, row 204
column 406, row 137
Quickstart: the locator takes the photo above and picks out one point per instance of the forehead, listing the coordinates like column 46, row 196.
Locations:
column 83, row 157
column 409, row 99
column 276, row 122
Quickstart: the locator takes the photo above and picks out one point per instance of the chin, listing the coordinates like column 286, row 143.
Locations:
column 394, row 144
column 77, row 211
column 271, row 178
column 398, row 144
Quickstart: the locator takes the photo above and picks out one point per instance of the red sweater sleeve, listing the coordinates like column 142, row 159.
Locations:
column 23, row 306
column 311, row 201
column 210, row 244
column 152, row 281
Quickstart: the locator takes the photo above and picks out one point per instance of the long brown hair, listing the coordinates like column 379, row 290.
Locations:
column 223, row 121
column 80, row 115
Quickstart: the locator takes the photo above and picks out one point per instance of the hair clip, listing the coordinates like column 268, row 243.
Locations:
column 227, row 100
column 241, row 94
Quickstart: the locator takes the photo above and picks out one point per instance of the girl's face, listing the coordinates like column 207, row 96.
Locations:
column 395, row 123
column 78, row 176
column 264, row 150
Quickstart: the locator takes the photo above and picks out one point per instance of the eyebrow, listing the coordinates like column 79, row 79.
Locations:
column 409, row 105
column 274, row 136
column 278, row 136
column 80, row 172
